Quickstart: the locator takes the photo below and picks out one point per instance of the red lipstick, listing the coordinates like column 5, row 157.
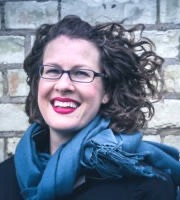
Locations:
column 64, row 105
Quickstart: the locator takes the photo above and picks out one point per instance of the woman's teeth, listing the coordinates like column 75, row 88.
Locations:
column 65, row 104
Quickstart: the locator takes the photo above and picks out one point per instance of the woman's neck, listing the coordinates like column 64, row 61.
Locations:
column 57, row 139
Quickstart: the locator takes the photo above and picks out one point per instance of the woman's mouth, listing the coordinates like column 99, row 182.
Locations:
column 64, row 105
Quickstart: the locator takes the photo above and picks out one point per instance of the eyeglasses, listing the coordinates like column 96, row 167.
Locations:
column 77, row 75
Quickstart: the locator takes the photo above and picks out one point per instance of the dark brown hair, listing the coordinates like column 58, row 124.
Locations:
column 127, row 58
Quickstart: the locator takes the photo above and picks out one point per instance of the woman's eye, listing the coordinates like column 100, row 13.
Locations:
column 81, row 73
column 52, row 71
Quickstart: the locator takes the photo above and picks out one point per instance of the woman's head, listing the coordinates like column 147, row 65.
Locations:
column 131, row 67
column 71, row 90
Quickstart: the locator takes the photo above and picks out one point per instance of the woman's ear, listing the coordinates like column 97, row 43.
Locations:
column 105, row 98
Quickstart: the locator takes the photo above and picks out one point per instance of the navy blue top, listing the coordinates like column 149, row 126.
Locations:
column 132, row 188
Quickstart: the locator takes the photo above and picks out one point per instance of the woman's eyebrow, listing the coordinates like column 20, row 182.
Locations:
column 79, row 66
column 74, row 67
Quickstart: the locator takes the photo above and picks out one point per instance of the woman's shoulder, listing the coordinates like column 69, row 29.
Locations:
column 126, row 188
column 9, row 188
column 7, row 169
column 8, row 163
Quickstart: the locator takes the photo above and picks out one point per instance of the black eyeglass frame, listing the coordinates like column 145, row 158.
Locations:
column 95, row 74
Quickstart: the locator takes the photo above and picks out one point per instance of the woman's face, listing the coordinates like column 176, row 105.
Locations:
column 68, row 106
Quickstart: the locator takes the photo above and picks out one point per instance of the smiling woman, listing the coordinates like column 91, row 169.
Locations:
column 91, row 90
column 75, row 56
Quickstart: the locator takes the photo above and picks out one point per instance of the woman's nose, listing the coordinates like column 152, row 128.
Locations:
column 64, row 83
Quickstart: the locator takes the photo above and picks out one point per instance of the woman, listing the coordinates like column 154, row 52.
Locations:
column 90, row 92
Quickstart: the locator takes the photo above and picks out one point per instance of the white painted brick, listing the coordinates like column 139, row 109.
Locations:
column 32, row 40
column 17, row 83
column 166, row 115
column 152, row 138
column 172, row 78
column 1, row 85
column 170, row 11
column 105, row 10
column 167, row 42
column 11, row 49
column 11, row 145
column 1, row 150
column 173, row 141
column 13, row 117
column 30, row 14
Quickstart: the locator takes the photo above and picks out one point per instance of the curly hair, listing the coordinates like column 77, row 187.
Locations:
column 128, row 59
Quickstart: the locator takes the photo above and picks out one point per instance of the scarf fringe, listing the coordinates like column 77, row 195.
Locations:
column 112, row 162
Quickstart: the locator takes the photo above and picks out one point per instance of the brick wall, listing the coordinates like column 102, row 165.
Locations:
column 18, row 21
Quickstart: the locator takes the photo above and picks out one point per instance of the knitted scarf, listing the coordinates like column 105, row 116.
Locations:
column 44, row 177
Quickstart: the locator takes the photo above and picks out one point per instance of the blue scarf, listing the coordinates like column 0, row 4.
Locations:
column 44, row 177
